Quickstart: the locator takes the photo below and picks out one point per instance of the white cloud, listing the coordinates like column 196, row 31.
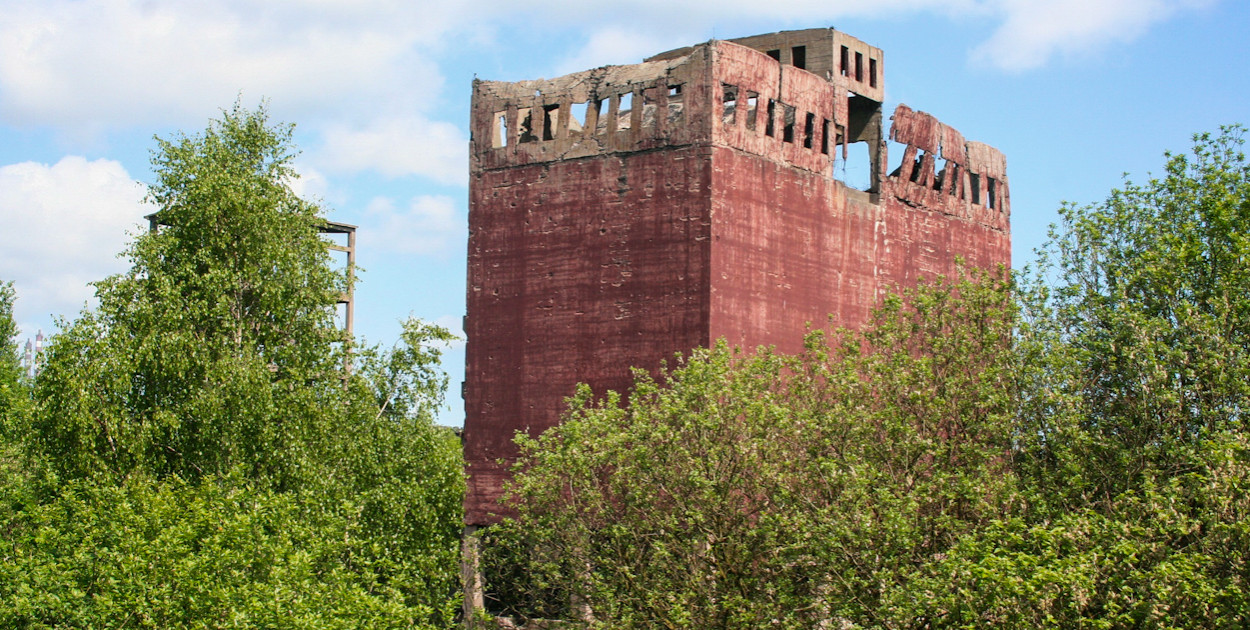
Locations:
column 310, row 184
column 64, row 225
column 1029, row 33
column 429, row 225
column 618, row 45
column 97, row 64
column 411, row 145
column 1035, row 31
column 111, row 62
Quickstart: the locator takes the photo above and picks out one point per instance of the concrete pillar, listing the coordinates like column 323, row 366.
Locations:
column 471, row 576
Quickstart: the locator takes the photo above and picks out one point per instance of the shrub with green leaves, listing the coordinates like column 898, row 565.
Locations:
column 207, row 449
column 12, row 392
column 1067, row 452
column 758, row 490
column 1132, row 442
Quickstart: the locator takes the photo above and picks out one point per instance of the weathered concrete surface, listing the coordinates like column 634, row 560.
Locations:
column 692, row 200
column 861, row 67
column 577, row 270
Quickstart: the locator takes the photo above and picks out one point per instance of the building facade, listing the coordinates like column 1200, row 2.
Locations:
column 624, row 214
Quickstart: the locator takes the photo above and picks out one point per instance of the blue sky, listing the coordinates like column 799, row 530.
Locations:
column 1075, row 92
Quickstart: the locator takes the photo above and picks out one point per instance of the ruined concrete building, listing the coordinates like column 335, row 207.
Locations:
column 625, row 213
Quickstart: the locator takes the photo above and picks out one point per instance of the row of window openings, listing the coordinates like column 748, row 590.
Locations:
column 732, row 96
column 731, row 93
column 951, row 170
column 798, row 56
column 857, row 70
column 576, row 124
column 798, row 59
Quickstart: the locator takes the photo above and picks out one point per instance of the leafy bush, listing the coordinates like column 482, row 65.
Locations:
column 207, row 449
column 752, row 490
column 1070, row 451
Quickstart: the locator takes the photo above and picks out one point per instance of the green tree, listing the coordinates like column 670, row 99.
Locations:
column 1133, row 449
column 757, row 490
column 11, row 390
column 214, row 554
column 217, row 348
column 212, row 374
column 16, row 472
column 1069, row 452
column 1146, row 323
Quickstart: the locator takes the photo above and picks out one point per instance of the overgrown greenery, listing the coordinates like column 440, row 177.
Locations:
column 1066, row 449
column 757, row 490
column 1133, row 444
column 12, row 393
column 207, row 449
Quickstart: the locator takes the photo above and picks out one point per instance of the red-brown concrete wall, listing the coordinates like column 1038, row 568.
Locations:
column 602, row 249
column 790, row 247
column 578, row 270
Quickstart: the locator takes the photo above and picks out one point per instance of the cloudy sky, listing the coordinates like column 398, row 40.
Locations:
column 1075, row 92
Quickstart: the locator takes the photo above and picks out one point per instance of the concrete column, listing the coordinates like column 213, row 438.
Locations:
column 471, row 575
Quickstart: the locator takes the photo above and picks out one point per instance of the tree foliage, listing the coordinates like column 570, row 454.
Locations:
column 1068, row 449
column 217, row 452
column 12, row 394
column 213, row 554
column 216, row 348
column 753, row 490
column 1133, row 440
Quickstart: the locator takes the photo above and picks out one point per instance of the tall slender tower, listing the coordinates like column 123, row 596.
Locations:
column 625, row 213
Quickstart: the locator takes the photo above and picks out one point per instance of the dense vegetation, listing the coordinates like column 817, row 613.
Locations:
column 1066, row 448
column 206, row 448
column 1063, row 448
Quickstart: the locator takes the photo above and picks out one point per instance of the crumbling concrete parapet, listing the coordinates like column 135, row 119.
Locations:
column 970, row 182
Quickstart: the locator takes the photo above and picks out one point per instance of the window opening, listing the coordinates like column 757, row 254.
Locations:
column 915, row 167
column 864, row 129
column 798, row 57
column 991, row 194
column 953, row 176
column 499, row 135
column 551, row 115
column 897, row 150
column 974, row 182
column 942, row 174
column 676, row 104
column 601, row 121
column 872, row 72
column 753, row 101
column 775, row 54
column 526, row 126
column 859, row 67
column 769, row 125
column 809, row 129
column 824, row 136
column 787, row 131
column 624, row 111
column 729, row 104
column 856, row 168
column 846, row 61
column 578, row 123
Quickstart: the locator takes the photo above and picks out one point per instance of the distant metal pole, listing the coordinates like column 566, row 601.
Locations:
column 38, row 352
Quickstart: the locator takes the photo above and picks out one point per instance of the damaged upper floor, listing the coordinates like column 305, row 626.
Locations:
column 809, row 99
